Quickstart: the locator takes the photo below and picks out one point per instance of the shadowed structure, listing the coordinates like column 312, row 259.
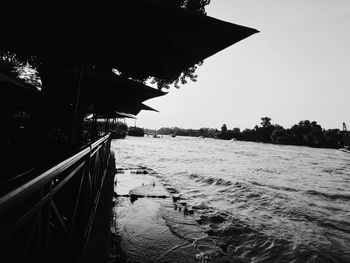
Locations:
column 141, row 38
column 56, row 205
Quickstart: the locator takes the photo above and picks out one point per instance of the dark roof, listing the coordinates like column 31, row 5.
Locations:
column 141, row 37
column 108, row 91
column 115, row 115
column 109, row 110
column 106, row 86
column 135, row 108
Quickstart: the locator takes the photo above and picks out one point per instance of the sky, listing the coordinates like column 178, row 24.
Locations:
column 296, row 68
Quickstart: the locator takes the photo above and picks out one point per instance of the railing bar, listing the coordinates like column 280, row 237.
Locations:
column 103, row 179
column 96, row 168
column 90, row 181
column 99, row 152
column 36, row 222
column 89, row 171
column 88, row 230
column 95, row 150
column 78, row 198
column 40, row 203
column 21, row 174
column 33, row 185
column 93, row 145
column 93, row 172
column 60, row 219
column 75, row 209
column 91, row 218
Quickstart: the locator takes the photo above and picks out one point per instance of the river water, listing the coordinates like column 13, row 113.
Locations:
column 260, row 202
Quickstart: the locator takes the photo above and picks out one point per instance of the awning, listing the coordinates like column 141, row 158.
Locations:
column 111, row 109
column 107, row 87
column 146, row 107
column 124, row 115
column 106, row 90
column 115, row 115
column 134, row 108
column 141, row 37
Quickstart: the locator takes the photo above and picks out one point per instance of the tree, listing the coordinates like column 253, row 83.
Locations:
column 224, row 128
column 24, row 68
column 279, row 135
column 236, row 130
column 195, row 6
column 265, row 121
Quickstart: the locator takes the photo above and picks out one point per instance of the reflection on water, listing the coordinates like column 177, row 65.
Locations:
column 259, row 202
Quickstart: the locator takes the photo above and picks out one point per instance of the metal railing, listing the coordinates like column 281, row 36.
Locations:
column 49, row 218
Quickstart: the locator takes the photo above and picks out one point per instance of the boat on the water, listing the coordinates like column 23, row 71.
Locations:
column 155, row 134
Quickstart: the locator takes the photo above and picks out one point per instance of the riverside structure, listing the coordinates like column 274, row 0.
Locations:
column 57, row 169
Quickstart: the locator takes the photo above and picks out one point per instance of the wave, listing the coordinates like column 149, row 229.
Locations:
column 345, row 197
column 210, row 180
column 223, row 182
column 266, row 170
column 286, row 214
column 193, row 175
column 277, row 187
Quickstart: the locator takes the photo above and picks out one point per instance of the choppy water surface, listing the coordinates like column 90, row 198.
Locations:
column 260, row 202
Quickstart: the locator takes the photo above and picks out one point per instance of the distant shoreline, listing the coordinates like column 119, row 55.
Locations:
column 305, row 133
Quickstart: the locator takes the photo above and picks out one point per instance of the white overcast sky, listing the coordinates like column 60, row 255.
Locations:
column 296, row 68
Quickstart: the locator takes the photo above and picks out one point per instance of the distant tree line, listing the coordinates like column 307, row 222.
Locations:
column 305, row 133
column 205, row 132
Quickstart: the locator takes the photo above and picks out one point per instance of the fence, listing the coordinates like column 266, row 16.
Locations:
column 49, row 218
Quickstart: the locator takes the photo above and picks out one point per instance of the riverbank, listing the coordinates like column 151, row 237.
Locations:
column 305, row 133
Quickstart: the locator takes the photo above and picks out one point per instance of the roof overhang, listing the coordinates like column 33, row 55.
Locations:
column 140, row 37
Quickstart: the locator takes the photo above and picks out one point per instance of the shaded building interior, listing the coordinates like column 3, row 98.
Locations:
column 56, row 151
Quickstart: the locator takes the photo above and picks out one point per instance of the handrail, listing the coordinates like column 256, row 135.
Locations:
column 57, row 207
column 23, row 191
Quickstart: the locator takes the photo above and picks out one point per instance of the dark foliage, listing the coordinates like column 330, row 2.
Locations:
column 204, row 132
column 305, row 133
column 182, row 79
column 118, row 130
column 23, row 68
column 26, row 66
column 136, row 131
column 197, row 6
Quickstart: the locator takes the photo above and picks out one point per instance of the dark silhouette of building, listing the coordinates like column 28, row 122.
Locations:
column 59, row 168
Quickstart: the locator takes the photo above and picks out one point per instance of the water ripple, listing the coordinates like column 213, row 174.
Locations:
column 253, row 202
